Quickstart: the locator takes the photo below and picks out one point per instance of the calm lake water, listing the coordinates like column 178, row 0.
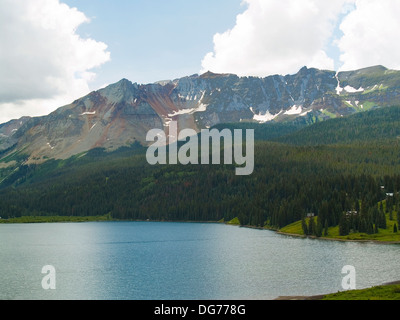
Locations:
column 180, row 261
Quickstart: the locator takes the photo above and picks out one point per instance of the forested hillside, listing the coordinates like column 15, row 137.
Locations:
column 289, row 180
column 373, row 126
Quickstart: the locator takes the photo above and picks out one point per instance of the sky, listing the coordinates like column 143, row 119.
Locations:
column 53, row 52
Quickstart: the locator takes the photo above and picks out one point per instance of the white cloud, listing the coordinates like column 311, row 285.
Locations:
column 281, row 36
column 371, row 35
column 276, row 37
column 44, row 63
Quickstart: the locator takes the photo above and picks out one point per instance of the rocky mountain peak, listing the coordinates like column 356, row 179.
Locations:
column 122, row 113
column 211, row 75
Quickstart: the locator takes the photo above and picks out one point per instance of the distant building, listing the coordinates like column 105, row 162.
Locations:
column 390, row 194
column 310, row 215
column 352, row 213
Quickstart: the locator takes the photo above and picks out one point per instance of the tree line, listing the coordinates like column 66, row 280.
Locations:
column 288, row 182
column 329, row 169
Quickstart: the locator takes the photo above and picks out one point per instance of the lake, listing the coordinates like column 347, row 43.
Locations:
column 180, row 261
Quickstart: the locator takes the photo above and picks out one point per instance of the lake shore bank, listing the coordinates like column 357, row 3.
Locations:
column 296, row 235
column 108, row 218
column 338, row 239
column 373, row 293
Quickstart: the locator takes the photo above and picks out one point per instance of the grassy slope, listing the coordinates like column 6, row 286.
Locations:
column 385, row 292
column 384, row 235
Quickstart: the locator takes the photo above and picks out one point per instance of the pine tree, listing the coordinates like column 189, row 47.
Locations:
column 395, row 228
column 326, row 229
column 398, row 206
column 323, row 212
column 357, row 206
column 311, row 227
column 319, row 228
column 304, row 226
column 344, row 228
column 398, row 217
column 370, row 227
column 363, row 225
column 382, row 220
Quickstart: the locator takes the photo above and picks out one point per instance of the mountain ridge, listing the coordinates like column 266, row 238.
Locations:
column 122, row 113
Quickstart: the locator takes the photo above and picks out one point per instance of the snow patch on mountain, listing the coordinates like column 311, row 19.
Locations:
column 201, row 108
column 263, row 118
column 295, row 110
column 339, row 89
column 305, row 113
column 350, row 89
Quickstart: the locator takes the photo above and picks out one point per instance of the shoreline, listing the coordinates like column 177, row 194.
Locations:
column 372, row 241
column 106, row 218
column 295, row 235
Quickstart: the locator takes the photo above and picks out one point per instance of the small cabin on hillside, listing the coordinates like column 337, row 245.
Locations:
column 352, row 213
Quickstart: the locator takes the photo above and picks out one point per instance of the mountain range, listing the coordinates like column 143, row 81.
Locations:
column 122, row 113
column 325, row 142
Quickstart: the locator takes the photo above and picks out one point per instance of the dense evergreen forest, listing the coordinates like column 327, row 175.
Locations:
column 331, row 169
